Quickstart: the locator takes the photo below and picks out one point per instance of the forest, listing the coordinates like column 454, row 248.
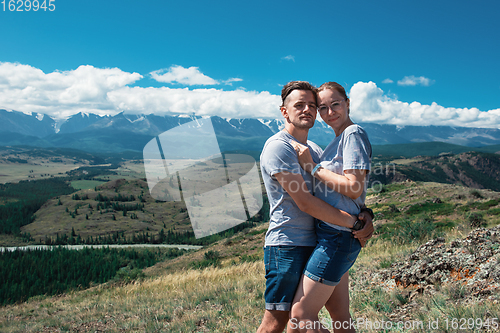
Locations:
column 24, row 274
column 163, row 237
column 19, row 201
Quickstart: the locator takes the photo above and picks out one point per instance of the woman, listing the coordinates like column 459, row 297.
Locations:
column 343, row 172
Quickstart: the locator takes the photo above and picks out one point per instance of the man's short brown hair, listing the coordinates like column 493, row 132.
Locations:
column 296, row 85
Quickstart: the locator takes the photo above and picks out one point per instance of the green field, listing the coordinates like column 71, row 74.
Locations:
column 14, row 172
column 85, row 184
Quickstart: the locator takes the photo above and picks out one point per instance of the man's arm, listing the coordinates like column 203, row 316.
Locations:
column 296, row 187
column 366, row 233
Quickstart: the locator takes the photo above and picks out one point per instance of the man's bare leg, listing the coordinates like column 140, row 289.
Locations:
column 274, row 321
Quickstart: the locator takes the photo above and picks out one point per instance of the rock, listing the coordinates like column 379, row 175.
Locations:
column 437, row 201
column 473, row 262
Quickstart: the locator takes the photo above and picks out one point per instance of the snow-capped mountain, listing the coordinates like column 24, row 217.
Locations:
column 131, row 132
column 27, row 124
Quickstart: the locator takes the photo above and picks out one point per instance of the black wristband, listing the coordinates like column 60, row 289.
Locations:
column 358, row 225
column 368, row 210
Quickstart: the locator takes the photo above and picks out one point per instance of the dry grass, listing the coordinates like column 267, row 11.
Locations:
column 225, row 299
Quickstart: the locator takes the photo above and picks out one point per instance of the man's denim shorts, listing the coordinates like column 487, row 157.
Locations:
column 335, row 252
column 284, row 268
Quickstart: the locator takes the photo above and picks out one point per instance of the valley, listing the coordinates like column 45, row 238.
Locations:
column 220, row 287
column 104, row 200
column 81, row 214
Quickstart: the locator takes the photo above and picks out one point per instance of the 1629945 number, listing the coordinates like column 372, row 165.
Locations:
column 28, row 5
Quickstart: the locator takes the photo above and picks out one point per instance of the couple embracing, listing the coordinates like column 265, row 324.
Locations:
column 318, row 219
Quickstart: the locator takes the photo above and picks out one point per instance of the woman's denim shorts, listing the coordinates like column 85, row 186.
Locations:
column 335, row 252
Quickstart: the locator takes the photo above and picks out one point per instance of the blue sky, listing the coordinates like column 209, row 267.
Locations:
column 402, row 62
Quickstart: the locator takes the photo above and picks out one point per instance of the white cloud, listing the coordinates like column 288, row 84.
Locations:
column 413, row 81
column 387, row 81
column 289, row 58
column 370, row 104
column 189, row 76
column 230, row 81
column 60, row 94
column 106, row 92
column 204, row 102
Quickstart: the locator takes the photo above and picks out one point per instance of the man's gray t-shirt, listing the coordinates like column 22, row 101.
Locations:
column 350, row 150
column 288, row 224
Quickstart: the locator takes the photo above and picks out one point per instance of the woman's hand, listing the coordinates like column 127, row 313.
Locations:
column 304, row 155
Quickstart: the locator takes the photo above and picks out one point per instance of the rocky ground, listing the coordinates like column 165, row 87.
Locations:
column 471, row 266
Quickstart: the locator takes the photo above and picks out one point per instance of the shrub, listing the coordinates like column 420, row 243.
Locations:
column 250, row 258
column 212, row 255
column 127, row 275
column 386, row 263
column 476, row 220
column 406, row 231
column 477, row 194
column 393, row 208
column 211, row 258
column 494, row 211
column 432, row 207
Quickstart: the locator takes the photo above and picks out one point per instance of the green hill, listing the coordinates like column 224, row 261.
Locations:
column 472, row 169
column 384, row 153
column 425, row 149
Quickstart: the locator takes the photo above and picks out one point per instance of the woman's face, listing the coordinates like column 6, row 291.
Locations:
column 334, row 110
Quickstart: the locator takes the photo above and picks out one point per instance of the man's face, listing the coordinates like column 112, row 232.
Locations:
column 300, row 109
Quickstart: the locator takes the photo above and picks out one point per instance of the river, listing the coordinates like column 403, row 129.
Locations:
column 111, row 246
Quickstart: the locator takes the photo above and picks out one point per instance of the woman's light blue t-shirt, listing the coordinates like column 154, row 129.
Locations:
column 350, row 150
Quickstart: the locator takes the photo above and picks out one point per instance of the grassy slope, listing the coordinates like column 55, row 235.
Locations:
column 53, row 218
column 229, row 298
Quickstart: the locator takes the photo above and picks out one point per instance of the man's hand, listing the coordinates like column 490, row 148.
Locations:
column 366, row 233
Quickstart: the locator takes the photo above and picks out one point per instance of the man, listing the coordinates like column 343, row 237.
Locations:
column 291, row 237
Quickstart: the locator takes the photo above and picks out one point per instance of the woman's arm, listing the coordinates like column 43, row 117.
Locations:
column 295, row 185
column 351, row 184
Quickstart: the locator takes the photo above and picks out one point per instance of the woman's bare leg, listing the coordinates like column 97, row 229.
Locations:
column 338, row 307
column 309, row 298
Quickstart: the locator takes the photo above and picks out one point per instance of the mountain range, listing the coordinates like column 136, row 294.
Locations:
column 122, row 132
